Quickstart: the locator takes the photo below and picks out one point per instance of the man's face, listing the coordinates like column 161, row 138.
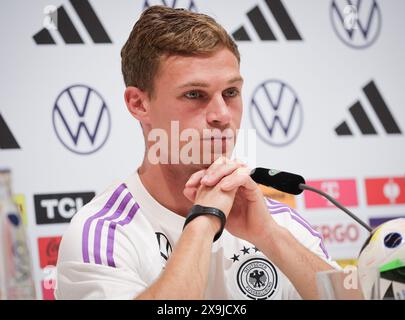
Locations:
column 202, row 93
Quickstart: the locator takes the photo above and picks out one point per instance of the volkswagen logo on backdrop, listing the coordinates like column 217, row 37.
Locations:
column 276, row 113
column 81, row 119
column 186, row 4
column 356, row 23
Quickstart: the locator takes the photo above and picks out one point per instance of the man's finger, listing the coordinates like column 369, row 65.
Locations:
column 240, row 177
column 215, row 174
column 195, row 178
column 218, row 163
column 190, row 193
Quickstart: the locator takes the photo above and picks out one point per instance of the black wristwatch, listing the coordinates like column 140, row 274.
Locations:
column 198, row 210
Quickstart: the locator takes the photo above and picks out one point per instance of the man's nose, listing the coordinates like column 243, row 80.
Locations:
column 218, row 113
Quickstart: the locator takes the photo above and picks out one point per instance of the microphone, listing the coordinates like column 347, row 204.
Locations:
column 294, row 184
column 280, row 180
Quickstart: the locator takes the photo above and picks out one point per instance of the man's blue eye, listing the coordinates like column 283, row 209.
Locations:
column 231, row 93
column 193, row 95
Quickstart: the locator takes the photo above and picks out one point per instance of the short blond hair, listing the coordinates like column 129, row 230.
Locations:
column 163, row 31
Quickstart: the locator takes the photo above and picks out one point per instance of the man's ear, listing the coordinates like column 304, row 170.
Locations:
column 137, row 102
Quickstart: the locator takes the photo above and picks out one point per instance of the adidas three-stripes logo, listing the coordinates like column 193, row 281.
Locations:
column 67, row 29
column 363, row 121
column 262, row 27
column 7, row 140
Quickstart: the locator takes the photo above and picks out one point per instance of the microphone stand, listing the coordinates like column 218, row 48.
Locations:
column 304, row 186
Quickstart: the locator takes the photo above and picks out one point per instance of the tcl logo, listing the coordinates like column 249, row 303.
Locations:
column 339, row 233
column 59, row 208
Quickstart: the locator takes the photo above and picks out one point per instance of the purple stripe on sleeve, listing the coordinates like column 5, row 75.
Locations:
column 279, row 210
column 314, row 233
column 99, row 227
column 86, row 227
column 111, row 233
column 274, row 206
column 301, row 217
column 294, row 215
column 272, row 202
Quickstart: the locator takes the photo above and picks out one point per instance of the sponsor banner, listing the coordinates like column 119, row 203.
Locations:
column 276, row 113
column 7, row 139
column 362, row 117
column 385, row 191
column 59, row 207
column 283, row 197
column 48, row 290
column 343, row 190
column 48, row 282
column 81, row 119
column 357, row 26
column 339, row 233
column 48, row 251
column 262, row 28
column 58, row 19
